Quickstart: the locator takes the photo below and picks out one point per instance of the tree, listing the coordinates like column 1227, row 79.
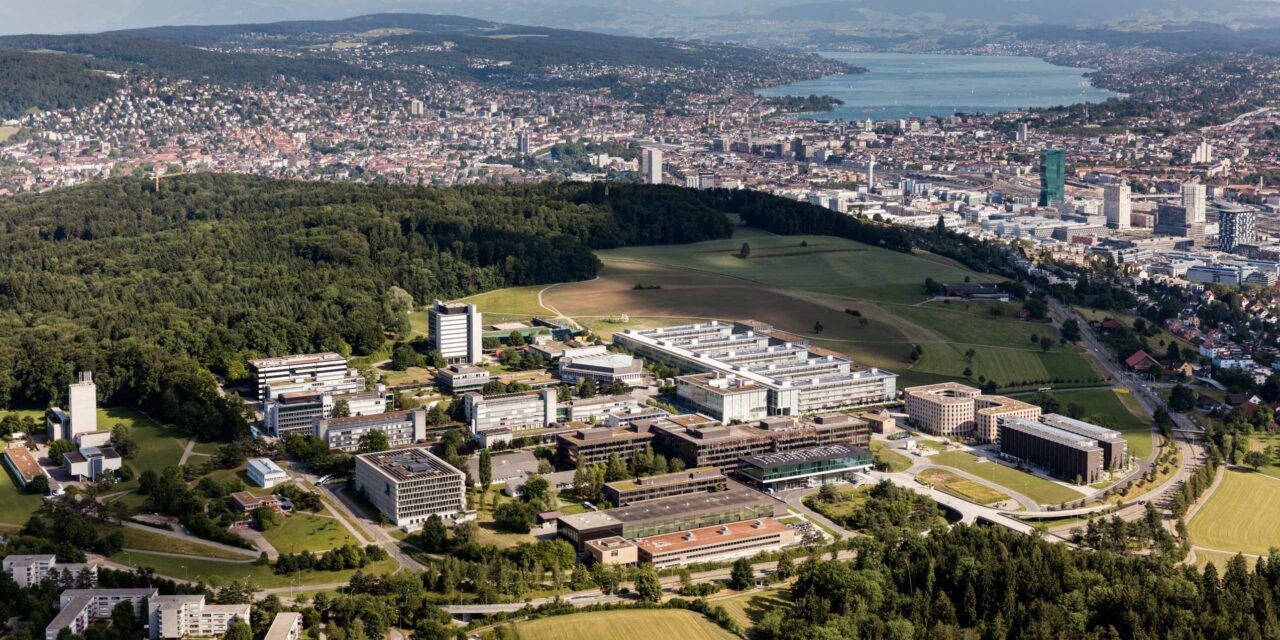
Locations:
column 122, row 441
column 341, row 409
column 587, row 388
column 39, row 485
column 1256, row 459
column 745, row 251
column 60, row 447
column 372, row 442
column 1182, row 398
column 264, row 518
column 515, row 338
column 537, row 491
column 1046, row 343
column 434, row 537
column 785, row 569
column 486, row 469
column 648, row 587
column 238, row 630
column 515, row 517
column 817, row 327
column 1071, row 330
column 742, row 576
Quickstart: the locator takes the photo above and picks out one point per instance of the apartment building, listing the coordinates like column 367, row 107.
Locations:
column 722, row 446
column 78, row 608
column 400, row 427
column 31, row 570
column 318, row 367
column 456, row 331
column 513, row 412
column 187, row 616
column 627, row 492
column 717, row 543
column 410, row 485
column 287, row 625
column 990, row 410
column 594, row 446
column 605, row 369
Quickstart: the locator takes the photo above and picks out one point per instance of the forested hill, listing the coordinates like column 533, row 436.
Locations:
column 114, row 277
column 48, row 81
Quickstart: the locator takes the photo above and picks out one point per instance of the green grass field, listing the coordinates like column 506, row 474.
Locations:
column 306, row 532
column 963, row 488
column 220, row 574
column 7, row 132
column 747, row 608
column 512, row 303
column 143, row 540
column 158, row 445
column 1260, row 442
column 622, row 625
column 852, row 499
column 1038, row 489
column 1243, row 514
column 1121, row 407
column 16, row 506
column 896, row 461
column 1219, row 559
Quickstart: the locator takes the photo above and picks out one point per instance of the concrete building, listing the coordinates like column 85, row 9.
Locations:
column 265, row 473
column 808, row 467
column 1115, row 449
column 598, row 408
column 319, row 368
column 594, row 446
column 727, row 398
column 351, row 382
column 456, row 331
column 23, row 464
column 1194, row 201
column 799, row 379
column 1236, row 227
column 943, row 409
column 31, row 570
column 651, row 165
column 188, row 616
column 410, row 485
column 605, row 368
column 717, row 543
column 990, row 410
column 613, row 551
column 667, row 515
column 1067, row 455
column 78, row 608
column 91, row 463
column 287, row 625
column 400, row 427
column 624, row 493
column 462, row 378
column 722, row 446
column 1117, row 206
column 295, row 413
column 81, row 416
column 514, row 412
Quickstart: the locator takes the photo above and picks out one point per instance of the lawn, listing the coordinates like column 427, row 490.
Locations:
column 851, row 499
column 144, row 540
column 16, row 506
column 219, row 574
column 486, row 531
column 514, row 303
column 1038, row 489
column 747, row 608
column 1243, row 514
column 962, row 488
column 306, row 532
column 896, row 461
column 1260, row 442
column 622, row 625
column 159, row 446
column 1118, row 405
column 1220, row 559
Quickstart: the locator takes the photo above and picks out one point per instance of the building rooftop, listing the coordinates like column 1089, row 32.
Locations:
column 808, row 454
column 1082, row 428
column 26, row 463
column 373, row 418
column 718, row 534
column 667, row 508
column 265, row 466
column 1050, row 433
column 297, row 360
column 944, row 392
column 677, row 477
column 408, row 464
column 282, row 625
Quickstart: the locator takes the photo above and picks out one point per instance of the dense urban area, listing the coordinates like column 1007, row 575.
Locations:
column 419, row 326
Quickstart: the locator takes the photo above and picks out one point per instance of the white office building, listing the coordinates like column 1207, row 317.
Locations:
column 1193, row 200
column 264, row 472
column 456, row 332
column 1117, row 206
column 651, row 165
column 400, row 427
column 81, row 415
column 316, row 368
column 410, row 485
column 511, row 412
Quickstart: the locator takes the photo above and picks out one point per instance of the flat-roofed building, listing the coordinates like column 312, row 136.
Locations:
column 722, row 446
column 287, row 625
column 990, row 410
column 23, row 464
column 400, row 427
column 808, row 467
column 410, row 485
column 944, row 409
column 31, row 570
column 296, row 412
column 726, row 398
column 189, row 616
column 320, row 367
column 456, row 331
column 515, row 412
column 1115, row 449
column 353, row 382
column 627, row 492
column 78, row 608
column 612, row 551
column 598, row 408
column 1067, row 455
column 593, row 446
column 265, row 473
column 665, row 515
column 716, row 543
column 462, row 378
column 604, row 368
column 91, row 463
column 799, row 379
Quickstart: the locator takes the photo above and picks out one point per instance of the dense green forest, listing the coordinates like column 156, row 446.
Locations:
column 152, row 291
column 48, row 81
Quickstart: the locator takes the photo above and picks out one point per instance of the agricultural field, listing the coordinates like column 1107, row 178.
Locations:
column 1121, row 407
column 1039, row 489
column 622, row 625
column 307, row 532
column 1243, row 514
column 747, row 608
column 217, row 574
column 962, row 488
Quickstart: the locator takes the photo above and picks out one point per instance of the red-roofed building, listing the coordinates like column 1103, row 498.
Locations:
column 1141, row 361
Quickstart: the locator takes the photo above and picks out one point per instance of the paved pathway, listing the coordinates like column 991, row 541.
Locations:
column 191, row 538
column 186, row 453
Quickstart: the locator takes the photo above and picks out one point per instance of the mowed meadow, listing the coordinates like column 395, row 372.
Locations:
column 869, row 302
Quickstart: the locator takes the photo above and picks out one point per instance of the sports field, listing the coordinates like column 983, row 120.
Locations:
column 1034, row 487
column 963, row 488
column 1118, row 405
column 622, row 625
column 1243, row 514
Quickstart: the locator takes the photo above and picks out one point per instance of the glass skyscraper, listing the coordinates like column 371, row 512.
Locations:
column 1053, row 174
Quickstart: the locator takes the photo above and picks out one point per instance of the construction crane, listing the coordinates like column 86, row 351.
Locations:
column 158, row 176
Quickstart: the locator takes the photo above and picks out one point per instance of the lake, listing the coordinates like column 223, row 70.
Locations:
column 909, row 85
